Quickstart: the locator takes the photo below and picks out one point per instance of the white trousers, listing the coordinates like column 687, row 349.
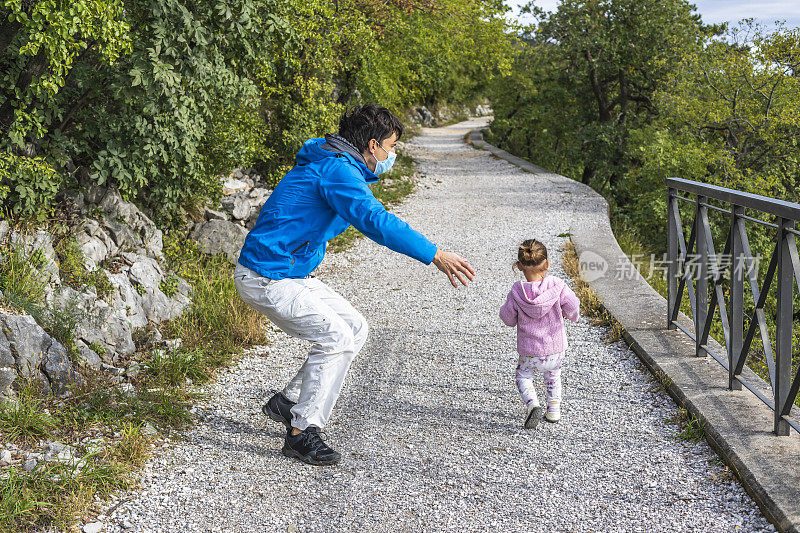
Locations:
column 309, row 310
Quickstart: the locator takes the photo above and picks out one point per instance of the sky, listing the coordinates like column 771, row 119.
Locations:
column 715, row 11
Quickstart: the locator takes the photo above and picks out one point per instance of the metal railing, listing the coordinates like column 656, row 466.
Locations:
column 707, row 270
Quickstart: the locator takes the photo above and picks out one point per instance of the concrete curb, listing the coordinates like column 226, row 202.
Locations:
column 736, row 423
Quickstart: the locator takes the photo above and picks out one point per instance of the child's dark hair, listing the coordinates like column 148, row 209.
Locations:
column 532, row 255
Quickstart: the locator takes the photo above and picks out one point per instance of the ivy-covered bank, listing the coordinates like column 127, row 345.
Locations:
column 159, row 98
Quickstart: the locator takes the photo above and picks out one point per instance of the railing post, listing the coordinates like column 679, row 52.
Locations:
column 672, row 255
column 783, row 325
column 736, row 319
column 701, row 284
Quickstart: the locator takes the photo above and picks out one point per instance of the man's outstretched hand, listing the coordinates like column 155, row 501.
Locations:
column 454, row 266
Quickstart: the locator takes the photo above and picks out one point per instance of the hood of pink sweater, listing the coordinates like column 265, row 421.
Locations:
column 535, row 299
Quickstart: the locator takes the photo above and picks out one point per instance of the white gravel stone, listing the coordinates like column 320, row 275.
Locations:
column 94, row 527
column 429, row 421
column 5, row 457
column 30, row 464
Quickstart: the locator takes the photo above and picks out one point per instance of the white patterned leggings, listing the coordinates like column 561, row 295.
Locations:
column 550, row 367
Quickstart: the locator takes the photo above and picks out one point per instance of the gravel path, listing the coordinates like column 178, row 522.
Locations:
column 429, row 421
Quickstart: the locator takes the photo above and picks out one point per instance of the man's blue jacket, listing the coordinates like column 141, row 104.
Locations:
column 317, row 200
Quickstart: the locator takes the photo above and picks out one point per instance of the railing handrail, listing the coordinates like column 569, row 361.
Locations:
column 773, row 206
column 783, row 273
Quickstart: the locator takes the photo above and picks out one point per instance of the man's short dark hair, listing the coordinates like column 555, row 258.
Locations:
column 370, row 121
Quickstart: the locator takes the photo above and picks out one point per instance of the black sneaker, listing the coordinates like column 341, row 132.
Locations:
column 309, row 447
column 279, row 409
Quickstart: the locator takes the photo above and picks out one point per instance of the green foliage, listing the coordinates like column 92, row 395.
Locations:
column 25, row 420
column 19, row 281
column 28, row 185
column 160, row 98
column 692, row 428
column 74, row 272
column 587, row 77
column 169, row 285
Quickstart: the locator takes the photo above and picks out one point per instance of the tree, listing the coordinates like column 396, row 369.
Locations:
column 604, row 59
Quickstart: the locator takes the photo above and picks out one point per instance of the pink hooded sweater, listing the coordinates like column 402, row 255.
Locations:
column 536, row 309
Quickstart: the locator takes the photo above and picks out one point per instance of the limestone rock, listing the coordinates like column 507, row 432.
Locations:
column 99, row 324
column 58, row 368
column 127, row 303
column 26, row 350
column 217, row 236
column 232, row 185
column 124, row 237
column 119, row 211
column 145, row 272
column 238, row 205
column 159, row 307
column 94, row 243
column 26, row 342
column 211, row 214
column 94, row 527
column 40, row 245
column 87, row 355
column 5, row 229
column 30, row 465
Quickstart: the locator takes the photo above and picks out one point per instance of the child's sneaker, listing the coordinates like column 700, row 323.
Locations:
column 534, row 415
column 553, row 413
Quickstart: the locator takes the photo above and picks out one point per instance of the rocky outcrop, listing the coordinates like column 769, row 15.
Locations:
column 225, row 227
column 118, row 241
column 220, row 236
column 27, row 351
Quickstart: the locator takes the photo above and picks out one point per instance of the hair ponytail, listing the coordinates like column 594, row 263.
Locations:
column 532, row 255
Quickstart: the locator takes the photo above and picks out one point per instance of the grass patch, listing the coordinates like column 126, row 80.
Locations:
column 25, row 420
column 691, row 428
column 345, row 240
column 391, row 190
column 19, row 280
column 54, row 495
column 218, row 323
column 591, row 306
column 177, row 367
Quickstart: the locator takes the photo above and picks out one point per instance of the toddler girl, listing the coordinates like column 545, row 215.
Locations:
column 537, row 307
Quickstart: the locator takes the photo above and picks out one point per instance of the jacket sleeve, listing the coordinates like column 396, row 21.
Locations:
column 352, row 199
column 570, row 304
column 508, row 312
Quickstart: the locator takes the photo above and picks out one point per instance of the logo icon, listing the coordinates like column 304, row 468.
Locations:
column 592, row 266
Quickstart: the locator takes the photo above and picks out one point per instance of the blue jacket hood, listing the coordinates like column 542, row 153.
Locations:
column 334, row 146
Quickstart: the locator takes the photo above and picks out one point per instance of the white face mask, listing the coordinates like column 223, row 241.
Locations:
column 386, row 164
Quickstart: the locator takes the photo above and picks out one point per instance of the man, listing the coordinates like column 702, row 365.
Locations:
column 318, row 199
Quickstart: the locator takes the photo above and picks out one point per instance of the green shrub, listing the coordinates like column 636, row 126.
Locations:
column 74, row 272
column 169, row 285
